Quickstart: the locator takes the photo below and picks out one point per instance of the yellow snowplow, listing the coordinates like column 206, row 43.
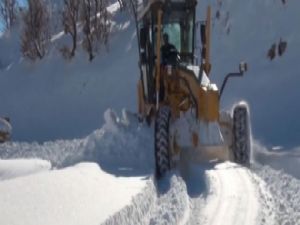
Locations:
column 175, row 91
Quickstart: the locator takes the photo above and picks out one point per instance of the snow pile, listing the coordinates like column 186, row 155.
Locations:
column 138, row 210
column 280, row 171
column 119, row 143
column 56, row 152
column 117, row 188
column 286, row 194
column 267, row 214
column 166, row 203
column 123, row 154
column 76, row 195
column 172, row 204
column 286, row 160
column 196, row 194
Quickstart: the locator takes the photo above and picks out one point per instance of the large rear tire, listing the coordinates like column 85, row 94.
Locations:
column 241, row 135
column 162, row 153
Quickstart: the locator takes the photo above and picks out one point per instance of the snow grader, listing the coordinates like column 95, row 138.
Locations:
column 176, row 94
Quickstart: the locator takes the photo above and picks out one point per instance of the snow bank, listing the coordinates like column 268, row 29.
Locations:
column 287, row 160
column 172, row 203
column 138, row 210
column 56, row 152
column 117, row 188
column 165, row 202
column 286, row 195
column 279, row 169
column 122, row 146
column 20, row 167
column 75, row 195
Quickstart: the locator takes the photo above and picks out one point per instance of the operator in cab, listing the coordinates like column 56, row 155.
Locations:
column 169, row 53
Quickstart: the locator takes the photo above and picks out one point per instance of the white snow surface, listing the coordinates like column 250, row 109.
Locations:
column 19, row 167
column 107, row 176
column 75, row 195
column 233, row 199
column 84, row 193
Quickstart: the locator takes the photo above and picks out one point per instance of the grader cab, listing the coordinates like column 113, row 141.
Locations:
column 176, row 94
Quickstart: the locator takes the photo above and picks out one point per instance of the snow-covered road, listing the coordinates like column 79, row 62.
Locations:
column 117, row 186
column 233, row 197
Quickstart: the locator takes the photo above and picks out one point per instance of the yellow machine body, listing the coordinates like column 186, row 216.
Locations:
column 184, row 87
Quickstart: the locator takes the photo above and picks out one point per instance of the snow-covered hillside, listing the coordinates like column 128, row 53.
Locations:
column 73, row 95
column 68, row 164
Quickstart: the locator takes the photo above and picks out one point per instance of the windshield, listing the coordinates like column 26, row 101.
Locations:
column 179, row 27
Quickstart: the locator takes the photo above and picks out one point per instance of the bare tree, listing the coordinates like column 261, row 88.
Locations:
column 8, row 12
column 86, row 14
column 36, row 35
column 96, row 26
column 101, row 22
column 123, row 4
column 70, row 17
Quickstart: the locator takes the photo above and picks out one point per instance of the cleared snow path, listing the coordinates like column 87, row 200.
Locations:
column 226, row 193
column 233, row 197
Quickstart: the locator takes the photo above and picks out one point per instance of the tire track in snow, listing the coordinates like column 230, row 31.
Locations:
column 232, row 197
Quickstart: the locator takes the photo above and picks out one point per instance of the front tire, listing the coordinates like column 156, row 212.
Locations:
column 162, row 153
column 241, row 135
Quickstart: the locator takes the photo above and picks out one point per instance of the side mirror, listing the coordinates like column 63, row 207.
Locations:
column 243, row 67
